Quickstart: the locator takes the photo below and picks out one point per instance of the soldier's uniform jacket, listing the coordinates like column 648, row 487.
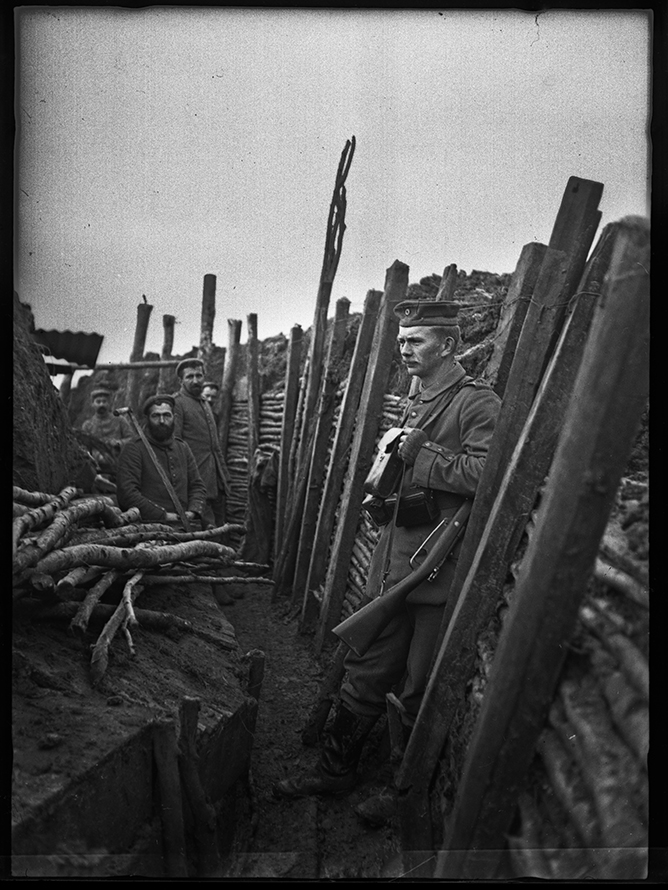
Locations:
column 138, row 483
column 450, row 462
column 109, row 428
column 195, row 424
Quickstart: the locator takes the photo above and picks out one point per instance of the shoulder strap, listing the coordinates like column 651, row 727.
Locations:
column 438, row 407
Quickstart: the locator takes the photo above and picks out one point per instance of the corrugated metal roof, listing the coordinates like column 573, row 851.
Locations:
column 78, row 348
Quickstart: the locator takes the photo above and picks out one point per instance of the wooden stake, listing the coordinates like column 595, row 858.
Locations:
column 513, row 313
column 333, row 243
column 204, row 815
column 287, row 431
column 475, row 605
column 208, row 316
column 229, row 379
column 307, row 511
column 143, row 315
column 253, row 386
column 599, row 427
column 362, row 448
column 165, row 752
column 165, row 378
column 338, row 460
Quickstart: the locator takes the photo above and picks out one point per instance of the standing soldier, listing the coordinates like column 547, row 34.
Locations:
column 446, row 434
column 195, row 424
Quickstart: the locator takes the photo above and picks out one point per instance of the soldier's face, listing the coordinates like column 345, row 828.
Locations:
column 192, row 381
column 209, row 393
column 101, row 405
column 161, row 422
column 423, row 350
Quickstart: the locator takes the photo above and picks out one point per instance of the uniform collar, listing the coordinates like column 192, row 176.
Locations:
column 184, row 392
column 429, row 393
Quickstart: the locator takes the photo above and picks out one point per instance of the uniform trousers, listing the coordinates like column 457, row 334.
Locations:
column 213, row 514
column 404, row 650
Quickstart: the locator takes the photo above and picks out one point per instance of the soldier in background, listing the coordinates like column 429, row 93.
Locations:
column 210, row 391
column 110, row 431
column 196, row 425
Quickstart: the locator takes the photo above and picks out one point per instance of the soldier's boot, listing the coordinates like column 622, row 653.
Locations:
column 381, row 808
column 336, row 771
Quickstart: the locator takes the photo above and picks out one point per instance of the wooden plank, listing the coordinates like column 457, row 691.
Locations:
column 599, row 427
column 307, row 512
column 483, row 585
column 513, row 313
column 362, row 448
column 579, row 203
column 338, row 460
column 287, row 430
column 253, row 385
column 229, row 380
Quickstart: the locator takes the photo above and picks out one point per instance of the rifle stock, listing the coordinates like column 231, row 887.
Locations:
column 361, row 628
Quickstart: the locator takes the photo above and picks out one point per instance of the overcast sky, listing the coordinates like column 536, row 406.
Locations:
column 155, row 146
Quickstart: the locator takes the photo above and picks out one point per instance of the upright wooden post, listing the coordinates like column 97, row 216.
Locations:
column 143, row 315
column 229, row 379
column 164, row 380
column 446, row 290
column 208, row 316
column 165, row 753
column 477, row 601
column 599, row 427
column 315, row 451
column 362, row 448
column 287, row 430
column 308, row 515
column 513, row 313
column 253, row 386
column 338, row 460
column 332, row 253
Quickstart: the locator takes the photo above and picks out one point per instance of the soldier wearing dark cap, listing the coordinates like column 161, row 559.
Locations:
column 139, row 483
column 196, row 425
column 447, row 429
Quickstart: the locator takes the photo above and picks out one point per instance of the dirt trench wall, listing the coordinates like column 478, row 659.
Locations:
column 46, row 455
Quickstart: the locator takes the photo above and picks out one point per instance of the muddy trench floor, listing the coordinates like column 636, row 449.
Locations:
column 318, row 838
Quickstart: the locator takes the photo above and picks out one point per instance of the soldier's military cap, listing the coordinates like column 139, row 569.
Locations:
column 433, row 313
column 210, row 383
column 159, row 398
column 100, row 391
column 189, row 363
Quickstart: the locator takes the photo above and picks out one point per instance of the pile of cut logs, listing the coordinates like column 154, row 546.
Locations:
column 68, row 550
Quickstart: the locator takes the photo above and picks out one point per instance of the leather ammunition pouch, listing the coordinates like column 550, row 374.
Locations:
column 416, row 508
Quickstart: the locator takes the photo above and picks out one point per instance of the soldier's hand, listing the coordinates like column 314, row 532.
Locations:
column 410, row 442
column 171, row 517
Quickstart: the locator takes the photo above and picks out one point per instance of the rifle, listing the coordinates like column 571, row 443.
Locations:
column 156, row 463
column 361, row 628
